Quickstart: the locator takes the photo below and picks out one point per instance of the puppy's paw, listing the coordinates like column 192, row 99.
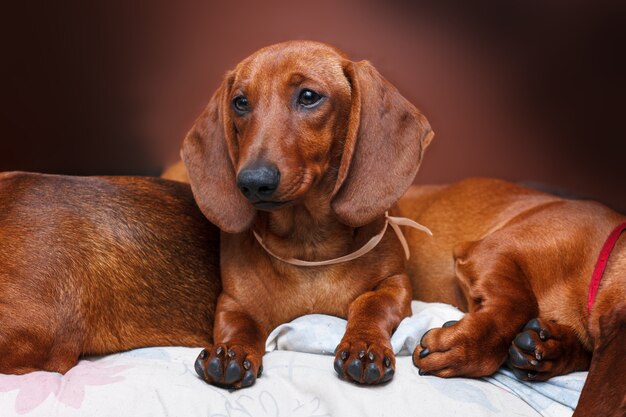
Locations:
column 365, row 362
column 228, row 366
column 460, row 348
column 545, row 349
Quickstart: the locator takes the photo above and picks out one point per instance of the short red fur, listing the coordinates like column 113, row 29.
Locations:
column 94, row 265
column 520, row 262
column 342, row 164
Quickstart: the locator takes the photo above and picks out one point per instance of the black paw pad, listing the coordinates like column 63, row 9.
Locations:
column 214, row 369
column 248, row 379
column 339, row 367
column 534, row 325
column 233, row 373
column 516, row 358
column 424, row 335
column 198, row 366
column 524, row 375
column 372, row 373
column 388, row 375
column 525, row 341
column 354, row 370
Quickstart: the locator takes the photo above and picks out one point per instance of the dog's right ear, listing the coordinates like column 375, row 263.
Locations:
column 208, row 152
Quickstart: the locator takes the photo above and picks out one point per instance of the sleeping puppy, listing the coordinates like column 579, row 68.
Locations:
column 306, row 150
column 524, row 265
column 99, row 265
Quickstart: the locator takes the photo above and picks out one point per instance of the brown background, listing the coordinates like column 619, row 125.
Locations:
column 530, row 90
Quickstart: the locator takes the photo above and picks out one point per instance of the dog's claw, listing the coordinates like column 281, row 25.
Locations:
column 449, row 323
column 425, row 352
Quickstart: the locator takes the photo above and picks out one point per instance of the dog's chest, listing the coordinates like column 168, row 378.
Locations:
column 279, row 293
column 328, row 290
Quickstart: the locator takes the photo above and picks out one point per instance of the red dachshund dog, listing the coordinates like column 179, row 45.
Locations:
column 520, row 263
column 100, row 265
column 297, row 158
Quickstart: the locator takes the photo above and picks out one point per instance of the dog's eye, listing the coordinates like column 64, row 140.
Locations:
column 309, row 98
column 240, row 103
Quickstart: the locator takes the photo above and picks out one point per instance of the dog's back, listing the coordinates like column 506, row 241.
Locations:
column 461, row 212
column 101, row 264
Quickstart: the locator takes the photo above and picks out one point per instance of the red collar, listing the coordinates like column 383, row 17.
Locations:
column 603, row 258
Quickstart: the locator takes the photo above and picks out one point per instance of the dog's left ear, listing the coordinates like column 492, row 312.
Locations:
column 385, row 141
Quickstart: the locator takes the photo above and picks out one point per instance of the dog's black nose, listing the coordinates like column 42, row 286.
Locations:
column 258, row 181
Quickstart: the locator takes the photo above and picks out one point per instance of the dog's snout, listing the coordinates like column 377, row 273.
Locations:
column 258, row 181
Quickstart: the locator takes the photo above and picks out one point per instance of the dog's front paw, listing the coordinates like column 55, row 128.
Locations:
column 545, row 349
column 228, row 366
column 365, row 362
column 463, row 348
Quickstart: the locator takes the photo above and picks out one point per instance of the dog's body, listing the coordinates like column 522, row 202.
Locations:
column 93, row 265
column 176, row 172
column 508, row 255
column 308, row 150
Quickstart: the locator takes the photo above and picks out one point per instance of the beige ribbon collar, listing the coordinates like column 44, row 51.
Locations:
column 394, row 222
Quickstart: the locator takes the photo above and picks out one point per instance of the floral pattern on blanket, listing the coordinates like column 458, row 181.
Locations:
column 69, row 389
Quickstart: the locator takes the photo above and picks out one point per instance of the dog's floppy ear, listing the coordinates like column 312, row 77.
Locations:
column 208, row 152
column 386, row 138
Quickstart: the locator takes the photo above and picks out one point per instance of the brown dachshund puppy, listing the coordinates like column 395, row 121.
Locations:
column 520, row 262
column 307, row 150
column 101, row 265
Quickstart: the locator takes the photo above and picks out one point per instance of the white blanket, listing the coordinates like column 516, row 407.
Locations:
column 298, row 382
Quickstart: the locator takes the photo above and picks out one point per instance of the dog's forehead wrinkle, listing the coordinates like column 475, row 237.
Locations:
column 292, row 68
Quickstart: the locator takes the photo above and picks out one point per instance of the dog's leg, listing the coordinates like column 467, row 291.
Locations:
column 604, row 393
column 545, row 349
column 364, row 355
column 29, row 346
column 500, row 303
column 235, row 359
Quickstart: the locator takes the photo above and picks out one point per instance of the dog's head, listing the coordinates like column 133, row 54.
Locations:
column 297, row 115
